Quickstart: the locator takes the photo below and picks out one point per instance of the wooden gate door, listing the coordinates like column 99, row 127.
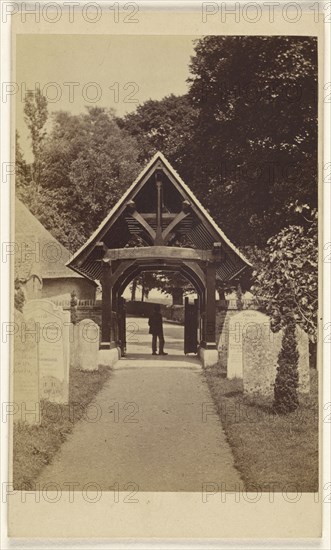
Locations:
column 122, row 324
column 191, row 321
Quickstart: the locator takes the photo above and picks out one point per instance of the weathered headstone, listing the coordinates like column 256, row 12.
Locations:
column 88, row 344
column 260, row 360
column 222, row 327
column 26, row 371
column 74, row 342
column 303, row 364
column 250, row 324
column 53, row 326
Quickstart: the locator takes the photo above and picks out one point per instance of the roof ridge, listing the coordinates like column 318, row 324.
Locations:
column 113, row 210
column 27, row 225
column 43, row 228
column 205, row 212
column 158, row 156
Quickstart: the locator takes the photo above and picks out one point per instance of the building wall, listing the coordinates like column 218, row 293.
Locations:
column 85, row 289
column 32, row 288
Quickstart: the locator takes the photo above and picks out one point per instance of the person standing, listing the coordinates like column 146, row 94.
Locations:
column 156, row 329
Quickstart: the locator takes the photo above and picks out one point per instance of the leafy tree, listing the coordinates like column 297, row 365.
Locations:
column 133, row 289
column 22, row 174
column 36, row 114
column 146, row 281
column 254, row 148
column 286, row 275
column 245, row 136
column 174, row 284
column 165, row 126
column 167, row 283
column 88, row 162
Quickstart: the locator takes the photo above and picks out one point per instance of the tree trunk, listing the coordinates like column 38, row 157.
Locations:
column 221, row 293
column 133, row 290
column 177, row 296
column 142, row 289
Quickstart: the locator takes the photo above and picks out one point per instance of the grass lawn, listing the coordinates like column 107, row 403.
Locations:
column 35, row 446
column 271, row 452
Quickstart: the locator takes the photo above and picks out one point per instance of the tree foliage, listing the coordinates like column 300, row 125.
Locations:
column 167, row 283
column 254, row 147
column 87, row 163
column 166, row 125
column 23, row 176
column 286, row 275
column 36, row 114
column 244, row 138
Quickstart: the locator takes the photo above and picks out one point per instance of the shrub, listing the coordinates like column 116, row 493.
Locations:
column 287, row 377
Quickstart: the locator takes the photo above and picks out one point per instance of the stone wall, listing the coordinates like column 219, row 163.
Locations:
column 173, row 313
column 63, row 286
column 88, row 312
column 145, row 309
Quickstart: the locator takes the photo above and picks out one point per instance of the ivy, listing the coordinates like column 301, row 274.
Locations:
column 286, row 275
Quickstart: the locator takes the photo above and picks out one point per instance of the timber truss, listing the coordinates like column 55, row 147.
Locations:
column 159, row 225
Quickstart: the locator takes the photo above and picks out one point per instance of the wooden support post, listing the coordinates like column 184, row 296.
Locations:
column 106, row 322
column 158, row 236
column 210, row 318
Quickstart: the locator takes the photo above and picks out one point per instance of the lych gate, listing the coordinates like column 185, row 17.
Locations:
column 159, row 225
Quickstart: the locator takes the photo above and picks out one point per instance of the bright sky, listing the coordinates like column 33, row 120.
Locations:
column 108, row 71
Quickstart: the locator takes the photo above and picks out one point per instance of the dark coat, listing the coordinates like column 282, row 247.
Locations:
column 155, row 323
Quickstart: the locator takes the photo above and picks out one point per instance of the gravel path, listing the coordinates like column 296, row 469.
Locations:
column 155, row 427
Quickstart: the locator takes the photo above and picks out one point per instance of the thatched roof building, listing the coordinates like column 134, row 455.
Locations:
column 40, row 261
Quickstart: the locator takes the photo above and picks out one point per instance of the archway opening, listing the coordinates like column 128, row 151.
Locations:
column 176, row 290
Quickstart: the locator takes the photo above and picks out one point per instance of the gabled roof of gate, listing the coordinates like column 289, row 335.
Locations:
column 82, row 260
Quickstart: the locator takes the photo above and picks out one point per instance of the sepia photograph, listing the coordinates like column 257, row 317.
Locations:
column 165, row 265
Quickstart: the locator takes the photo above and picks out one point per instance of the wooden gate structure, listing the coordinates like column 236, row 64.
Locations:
column 159, row 225
column 191, row 326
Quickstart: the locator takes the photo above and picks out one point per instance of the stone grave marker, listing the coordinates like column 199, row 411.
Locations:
column 74, row 341
column 251, row 324
column 26, row 371
column 222, row 328
column 260, row 360
column 53, row 325
column 303, row 364
column 88, row 344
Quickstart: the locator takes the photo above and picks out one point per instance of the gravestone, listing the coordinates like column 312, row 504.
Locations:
column 26, row 371
column 260, row 360
column 222, row 327
column 88, row 344
column 53, row 328
column 254, row 326
column 303, row 364
column 74, row 341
